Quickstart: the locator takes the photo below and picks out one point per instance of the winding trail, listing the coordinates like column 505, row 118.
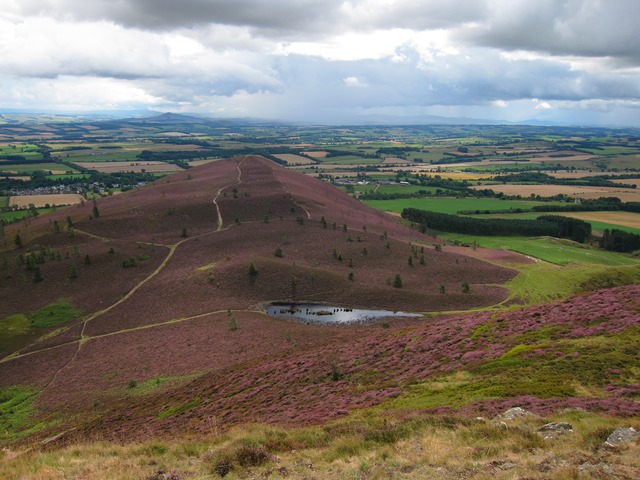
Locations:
column 220, row 190
column 172, row 249
column 291, row 195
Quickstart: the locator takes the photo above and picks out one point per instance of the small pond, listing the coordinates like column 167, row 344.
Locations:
column 310, row 312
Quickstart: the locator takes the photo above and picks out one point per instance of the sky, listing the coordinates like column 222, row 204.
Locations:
column 327, row 61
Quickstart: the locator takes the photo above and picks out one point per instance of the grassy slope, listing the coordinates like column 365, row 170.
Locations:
column 549, row 249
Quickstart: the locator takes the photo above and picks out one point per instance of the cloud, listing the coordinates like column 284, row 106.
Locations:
column 353, row 82
column 300, row 58
column 591, row 28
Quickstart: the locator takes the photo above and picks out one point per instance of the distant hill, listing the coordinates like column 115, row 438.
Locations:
column 169, row 118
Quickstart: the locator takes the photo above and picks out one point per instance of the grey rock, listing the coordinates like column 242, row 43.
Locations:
column 502, row 465
column 621, row 435
column 556, row 427
column 514, row 413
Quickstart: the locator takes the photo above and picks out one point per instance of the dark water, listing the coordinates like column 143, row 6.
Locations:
column 315, row 313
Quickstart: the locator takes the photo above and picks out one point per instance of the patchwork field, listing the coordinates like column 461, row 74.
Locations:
column 137, row 166
column 624, row 194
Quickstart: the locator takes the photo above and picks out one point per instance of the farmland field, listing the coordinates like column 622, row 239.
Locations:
column 42, row 200
column 294, row 159
column 13, row 215
column 553, row 250
column 451, row 205
column 316, row 154
column 391, row 189
column 598, row 220
column 4, row 202
column 197, row 163
column 624, row 194
column 138, row 166
column 625, row 219
column 350, row 160
column 32, row 167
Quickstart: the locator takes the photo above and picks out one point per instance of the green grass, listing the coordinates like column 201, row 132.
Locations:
column 549, row 249
column 4, row 202
column 542, row 283
column 554, row 371
column 18, row 324
column 28, row 168
column 79, row 176
column 16, row 412
column 55, row 314
column 20, row 214
column 451, row 205
column 171, row 411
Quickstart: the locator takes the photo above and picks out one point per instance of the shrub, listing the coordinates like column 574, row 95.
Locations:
column 253, row 271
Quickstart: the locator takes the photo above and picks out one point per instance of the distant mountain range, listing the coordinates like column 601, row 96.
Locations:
column 150, row 117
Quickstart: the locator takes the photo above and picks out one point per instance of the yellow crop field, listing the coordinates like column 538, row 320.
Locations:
column 40, row 201
column 624, row 194
column 626, row 219
column 294, row 159
column 316, row 154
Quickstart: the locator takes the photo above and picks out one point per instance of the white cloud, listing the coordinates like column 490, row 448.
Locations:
column 299, row 58
column 353, row 82
column 542, row 106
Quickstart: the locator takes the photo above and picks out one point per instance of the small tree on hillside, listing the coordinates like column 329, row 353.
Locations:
column 73, row 271
column 397, row 281
column 37, row 275
column 253, row 271
column 18, row 240
column 96, row 212
column 278, row 252
column 6, row 269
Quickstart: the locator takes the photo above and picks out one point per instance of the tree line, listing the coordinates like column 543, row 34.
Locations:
column 619, row 241
column 546, row 225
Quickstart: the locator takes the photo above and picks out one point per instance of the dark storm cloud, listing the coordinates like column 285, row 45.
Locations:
column 280, row 15
column 589, row 28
